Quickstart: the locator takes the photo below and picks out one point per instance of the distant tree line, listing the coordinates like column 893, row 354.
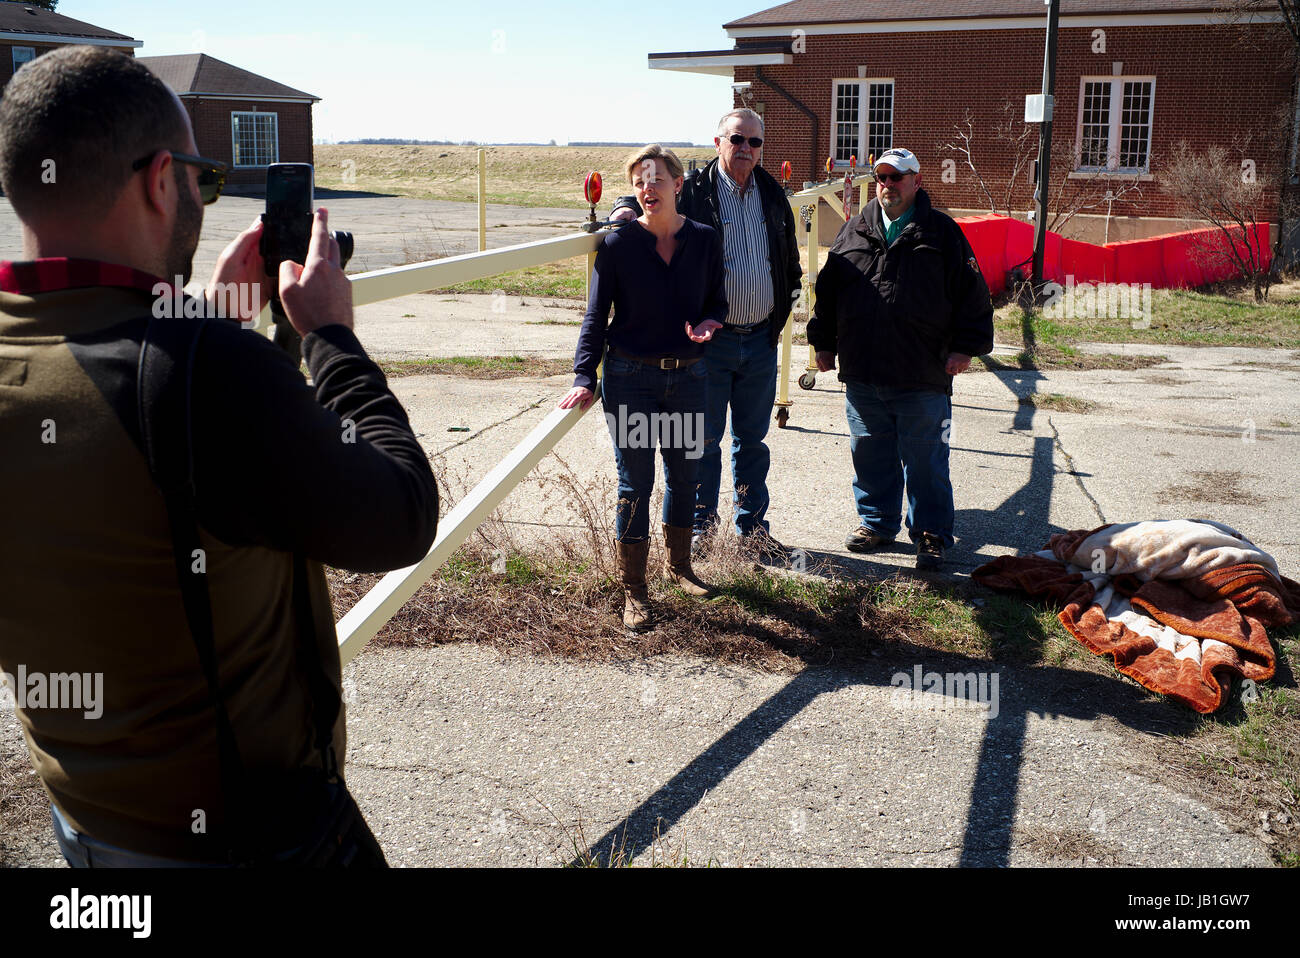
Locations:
column 670, row 144
column 393, row 141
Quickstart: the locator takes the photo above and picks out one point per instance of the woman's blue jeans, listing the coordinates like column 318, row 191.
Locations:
column 897, row 438
column 646, row 407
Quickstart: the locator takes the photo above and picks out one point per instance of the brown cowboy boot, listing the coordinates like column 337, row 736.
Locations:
column 637, row 615
column 677, row 543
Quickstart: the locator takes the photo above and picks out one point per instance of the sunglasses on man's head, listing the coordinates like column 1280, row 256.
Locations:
column 212, row 173
column 891, row 177
column 737, row 139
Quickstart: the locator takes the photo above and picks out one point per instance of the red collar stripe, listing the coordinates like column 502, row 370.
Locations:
column 58, row 273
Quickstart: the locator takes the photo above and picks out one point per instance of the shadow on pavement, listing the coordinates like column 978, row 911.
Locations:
column 1021, row 523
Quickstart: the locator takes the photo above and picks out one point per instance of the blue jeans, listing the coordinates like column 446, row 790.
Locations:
column 742, row 374
column 899, row 437
column 82, row 851
column 644, row 407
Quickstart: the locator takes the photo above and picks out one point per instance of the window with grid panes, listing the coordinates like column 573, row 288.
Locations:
column 255, row 138
column 1115, row 119
column 847, row 120
column 880, row 118
column 862, row 119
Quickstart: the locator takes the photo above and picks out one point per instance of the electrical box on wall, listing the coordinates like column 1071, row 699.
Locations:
column 1038, row 108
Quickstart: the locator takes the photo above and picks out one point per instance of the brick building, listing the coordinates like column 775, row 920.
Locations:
column 835, row 78
column 240, row 118
column 26, row 32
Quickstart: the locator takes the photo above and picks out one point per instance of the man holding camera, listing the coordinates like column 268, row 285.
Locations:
column 221, row 730
column 748, row 208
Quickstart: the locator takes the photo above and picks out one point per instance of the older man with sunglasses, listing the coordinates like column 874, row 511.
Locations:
column 747, row 206
column 173, row 488
column 902, row 302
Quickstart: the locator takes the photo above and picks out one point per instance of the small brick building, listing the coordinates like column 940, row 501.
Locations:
column 835, row 78
column 245, row 120
column 239, row 117
column 26, row 32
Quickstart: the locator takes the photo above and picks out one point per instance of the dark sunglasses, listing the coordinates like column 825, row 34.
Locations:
column 212, row 173
column 754, row 141
column 891, row 177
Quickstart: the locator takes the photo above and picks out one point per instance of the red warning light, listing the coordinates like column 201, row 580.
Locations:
column 591, row 187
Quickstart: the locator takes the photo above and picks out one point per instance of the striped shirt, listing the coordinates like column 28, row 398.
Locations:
column 745, row 252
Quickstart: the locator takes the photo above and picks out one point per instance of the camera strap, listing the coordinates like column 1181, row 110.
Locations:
column 164, row 392
column 163, row 395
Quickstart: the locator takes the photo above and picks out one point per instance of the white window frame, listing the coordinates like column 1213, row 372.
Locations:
column 234, row 139
column 1114, row 138
column 16, row 63
column 864, row 85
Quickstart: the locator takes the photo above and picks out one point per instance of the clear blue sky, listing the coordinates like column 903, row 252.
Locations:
column 488, row 70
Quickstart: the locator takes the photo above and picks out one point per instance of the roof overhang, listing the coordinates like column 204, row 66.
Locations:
column 67, row 40
column 250, row 99
column 961, row 24
column 720, row 62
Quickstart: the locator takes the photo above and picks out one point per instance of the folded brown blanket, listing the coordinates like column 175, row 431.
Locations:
column 1180, row 606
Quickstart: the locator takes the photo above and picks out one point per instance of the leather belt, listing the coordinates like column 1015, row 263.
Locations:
column 746, row 330
column 662, row 362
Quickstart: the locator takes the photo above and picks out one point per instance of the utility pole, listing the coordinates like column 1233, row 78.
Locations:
column 1045, row 144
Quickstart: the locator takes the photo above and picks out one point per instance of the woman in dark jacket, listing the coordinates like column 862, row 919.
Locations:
column 663, row 275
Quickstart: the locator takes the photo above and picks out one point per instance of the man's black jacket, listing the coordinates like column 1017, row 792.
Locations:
column 893, row 314
column 699, row 201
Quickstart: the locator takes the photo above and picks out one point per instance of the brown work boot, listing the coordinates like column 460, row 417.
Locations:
column 637, row 615
column 677, row 545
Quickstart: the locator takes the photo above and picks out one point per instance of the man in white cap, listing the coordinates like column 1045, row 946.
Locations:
column 903, row 304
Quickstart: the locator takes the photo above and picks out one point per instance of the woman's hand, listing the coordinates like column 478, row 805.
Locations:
column 703, row 332
column 579, row 396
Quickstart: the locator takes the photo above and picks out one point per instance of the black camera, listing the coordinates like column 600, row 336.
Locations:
column 286, row 230
column 286, row 235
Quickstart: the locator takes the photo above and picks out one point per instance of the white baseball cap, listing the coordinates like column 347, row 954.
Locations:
column 904, row 161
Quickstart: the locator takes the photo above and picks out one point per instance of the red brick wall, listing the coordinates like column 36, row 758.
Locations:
column 1213, row 84
column 7, row 56
column 211, row 121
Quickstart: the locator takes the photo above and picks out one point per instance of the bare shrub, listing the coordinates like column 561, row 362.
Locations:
column 1213, row 185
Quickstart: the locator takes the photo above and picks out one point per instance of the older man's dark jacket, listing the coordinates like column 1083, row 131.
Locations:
column 894, row 312
column 699, row 201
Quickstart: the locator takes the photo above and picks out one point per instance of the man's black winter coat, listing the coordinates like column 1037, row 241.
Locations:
column 893, row 314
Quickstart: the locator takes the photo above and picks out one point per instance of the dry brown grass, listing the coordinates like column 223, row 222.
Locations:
column 1216, row 486
column 1058, row 402
column 516, row 175
column 24, row 806
column 478, row 367
column 559, row 597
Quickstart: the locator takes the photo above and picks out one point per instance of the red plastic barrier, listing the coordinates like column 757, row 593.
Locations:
column 987, row 237
column 1166, row 261
column 1088, row 263
column 1140, row 261
column 1020, row 245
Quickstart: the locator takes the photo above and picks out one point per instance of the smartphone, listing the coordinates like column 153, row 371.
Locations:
column 290, row 195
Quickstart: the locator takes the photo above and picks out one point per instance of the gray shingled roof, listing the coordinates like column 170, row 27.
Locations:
column 16, row 18
column 202, row 75
column 851, row 11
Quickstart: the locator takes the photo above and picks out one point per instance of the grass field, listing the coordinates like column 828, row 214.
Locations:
column 517, row 175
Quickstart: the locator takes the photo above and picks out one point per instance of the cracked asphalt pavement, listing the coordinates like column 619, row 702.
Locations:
column 462, row 755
